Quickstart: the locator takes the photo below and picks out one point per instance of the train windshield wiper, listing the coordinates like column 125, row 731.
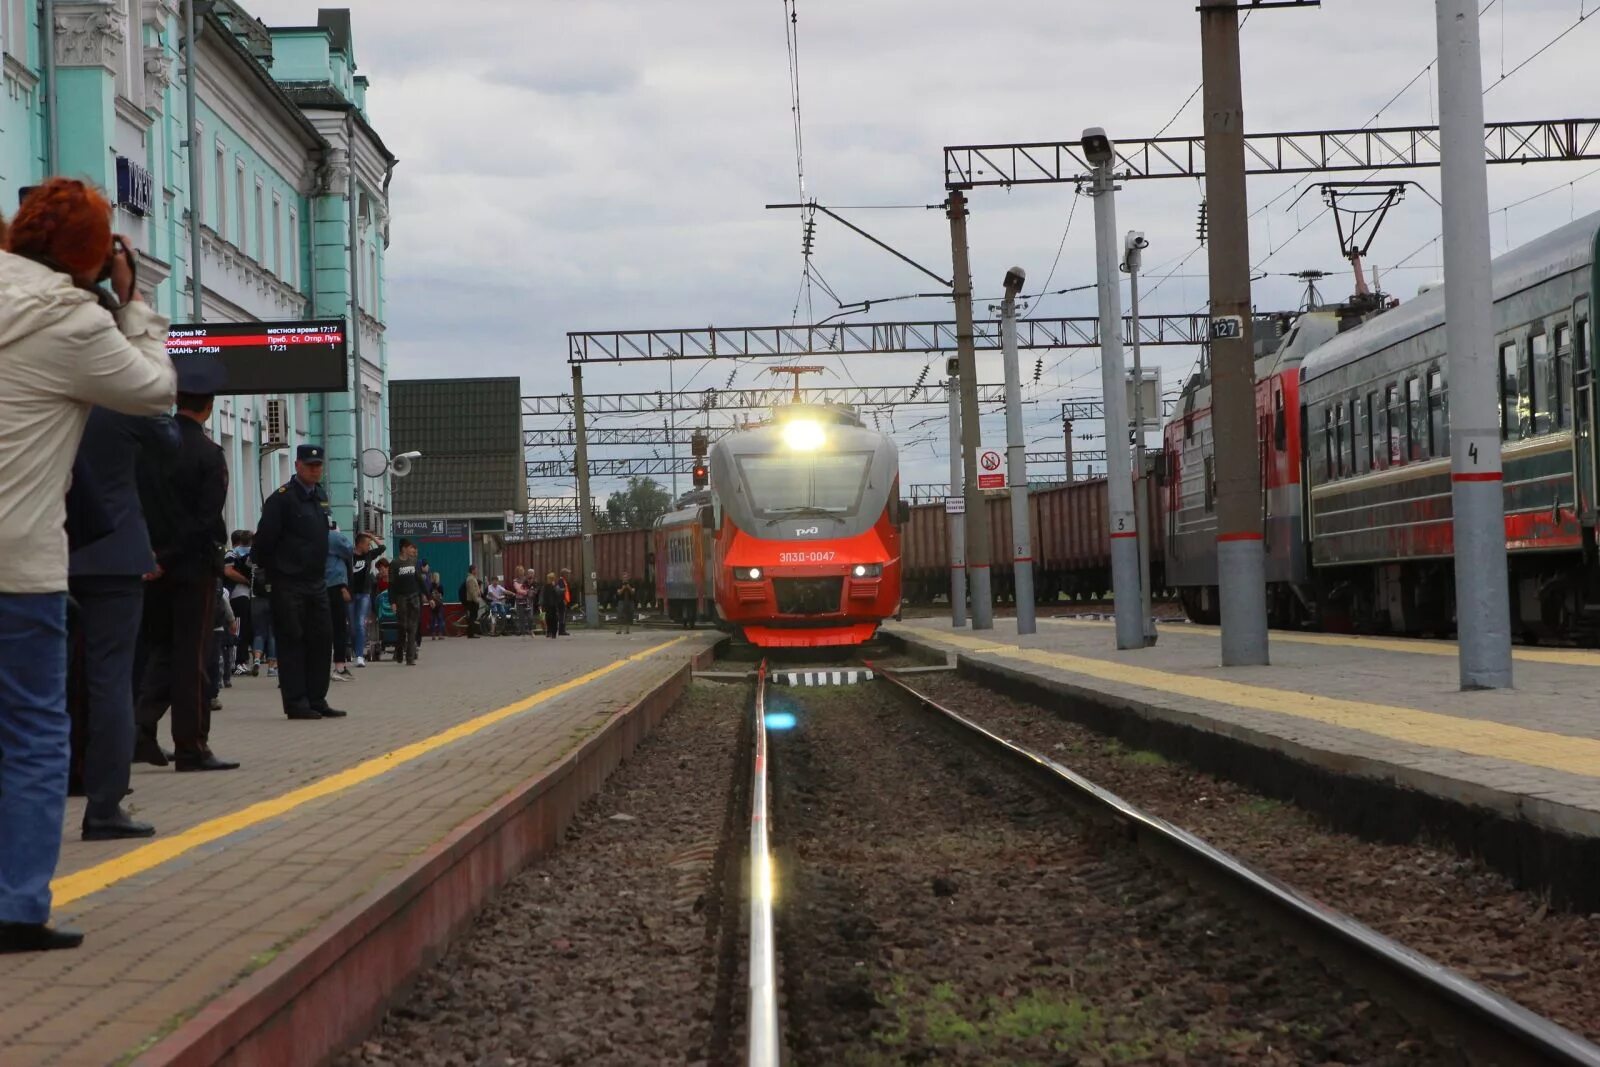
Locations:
column 804, row 509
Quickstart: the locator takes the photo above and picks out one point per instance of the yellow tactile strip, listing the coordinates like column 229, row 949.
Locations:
column 1567, row 657
column 79, row 884
column 1478, row 737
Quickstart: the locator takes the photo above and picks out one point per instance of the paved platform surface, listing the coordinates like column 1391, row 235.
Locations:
column 247, row 861
column 1376, row 706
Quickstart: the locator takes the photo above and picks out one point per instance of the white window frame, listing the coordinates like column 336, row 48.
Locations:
column 221, row 170
column 277, row 235
column 261, row 222
column 294, row 248
column 240, row 205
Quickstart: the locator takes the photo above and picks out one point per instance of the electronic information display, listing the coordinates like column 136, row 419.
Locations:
column 310, row 356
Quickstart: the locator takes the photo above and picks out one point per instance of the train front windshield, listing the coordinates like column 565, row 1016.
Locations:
column 784, row 484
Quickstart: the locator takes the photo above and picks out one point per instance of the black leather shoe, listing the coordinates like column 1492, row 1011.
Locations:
column 330, row 713
column 115, row 828
column 302, row 713
column 36, row 937
column 147, row 750
column 204, row 761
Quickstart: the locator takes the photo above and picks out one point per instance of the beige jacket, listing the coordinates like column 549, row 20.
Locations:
column 61, row 352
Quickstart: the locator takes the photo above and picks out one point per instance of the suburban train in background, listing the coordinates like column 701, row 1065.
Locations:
column 1352, row 412
column 795, row 541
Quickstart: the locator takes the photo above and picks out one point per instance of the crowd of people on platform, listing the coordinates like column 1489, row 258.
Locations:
column 124, row 599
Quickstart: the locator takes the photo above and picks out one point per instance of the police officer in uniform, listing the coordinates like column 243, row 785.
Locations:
column 183, row 499
column 292, row 544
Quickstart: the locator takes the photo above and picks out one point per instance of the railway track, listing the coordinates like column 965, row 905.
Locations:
column 882, row 972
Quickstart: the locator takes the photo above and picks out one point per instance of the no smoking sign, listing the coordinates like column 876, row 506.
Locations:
column 989, row 460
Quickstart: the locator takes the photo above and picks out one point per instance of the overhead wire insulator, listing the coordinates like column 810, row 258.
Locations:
column 1038, row 369
column 1203, row 225
column 808, row 237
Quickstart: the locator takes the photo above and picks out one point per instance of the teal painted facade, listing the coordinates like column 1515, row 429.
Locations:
column 280, row 127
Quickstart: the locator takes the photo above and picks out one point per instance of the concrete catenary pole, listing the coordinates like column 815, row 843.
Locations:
column 197, row 309
column 1119, row 482
column 1483, row 611
column 977, row 516
column 956, row 519
column 672, row 427
column 1066, row 428
column 1017, row 458
column 1241, row 558
column 591, row 598
column 1133, row 260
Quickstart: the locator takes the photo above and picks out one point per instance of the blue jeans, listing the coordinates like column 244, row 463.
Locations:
column 34, row 750
column 261, row 628
column 360, row 608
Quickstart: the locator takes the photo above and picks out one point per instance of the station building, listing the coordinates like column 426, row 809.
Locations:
column 470, row 480
column 293, row 206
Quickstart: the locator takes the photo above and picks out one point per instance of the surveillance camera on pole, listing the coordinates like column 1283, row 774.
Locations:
column 1101, row 154
column 1133, row 246
column 1016, row 457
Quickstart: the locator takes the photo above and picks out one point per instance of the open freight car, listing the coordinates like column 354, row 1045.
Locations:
column 1071, row 545
column 616, row 553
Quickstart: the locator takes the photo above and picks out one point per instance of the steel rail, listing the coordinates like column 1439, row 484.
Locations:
column 764, row 1044
column 1489, row 1025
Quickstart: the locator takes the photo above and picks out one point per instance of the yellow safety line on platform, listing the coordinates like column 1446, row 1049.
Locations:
column 1478, row 737
column 74, row 887
column 1569, row 657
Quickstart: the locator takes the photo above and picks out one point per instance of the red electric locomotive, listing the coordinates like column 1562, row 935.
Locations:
column 797, row 544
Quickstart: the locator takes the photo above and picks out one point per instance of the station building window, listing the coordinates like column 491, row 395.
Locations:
column 221, row 219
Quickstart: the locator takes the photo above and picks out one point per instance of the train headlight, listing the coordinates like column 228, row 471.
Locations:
column 747, row 574
column 867, row 570
column 803, row 435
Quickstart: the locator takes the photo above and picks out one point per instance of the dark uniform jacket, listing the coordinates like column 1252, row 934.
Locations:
column 183, row 494
column 292, row 538
column 113, row 449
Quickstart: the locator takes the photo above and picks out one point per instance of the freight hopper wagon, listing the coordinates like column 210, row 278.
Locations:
column 797, row 542
column 1069, row 528
column 618, row 554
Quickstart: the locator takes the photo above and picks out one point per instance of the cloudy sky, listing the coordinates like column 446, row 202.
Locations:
column 603, row 165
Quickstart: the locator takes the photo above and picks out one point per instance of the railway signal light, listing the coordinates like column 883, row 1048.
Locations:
column 702, row 476
column 698, row 442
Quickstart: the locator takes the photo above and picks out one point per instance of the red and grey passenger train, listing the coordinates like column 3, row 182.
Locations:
column 796, row 540
column 1353, row 411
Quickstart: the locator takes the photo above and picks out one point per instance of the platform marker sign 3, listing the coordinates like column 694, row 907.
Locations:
column 990, row 474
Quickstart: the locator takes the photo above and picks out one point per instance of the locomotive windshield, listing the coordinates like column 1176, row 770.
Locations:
column 805, row 483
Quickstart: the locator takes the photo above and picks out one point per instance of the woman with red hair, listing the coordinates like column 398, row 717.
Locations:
column 65, row 345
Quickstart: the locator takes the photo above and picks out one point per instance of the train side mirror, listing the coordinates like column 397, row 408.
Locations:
column 902, row 512
column 708, row 519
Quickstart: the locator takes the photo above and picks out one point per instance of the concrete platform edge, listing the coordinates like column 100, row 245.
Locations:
column 330, row 987
column 1538, row 843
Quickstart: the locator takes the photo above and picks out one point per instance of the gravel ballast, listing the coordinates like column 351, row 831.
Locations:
column 936, row 908
column 612, row 951
column 1449, row 907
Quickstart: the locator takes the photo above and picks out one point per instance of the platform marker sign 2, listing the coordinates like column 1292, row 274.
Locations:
column 990, row 474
